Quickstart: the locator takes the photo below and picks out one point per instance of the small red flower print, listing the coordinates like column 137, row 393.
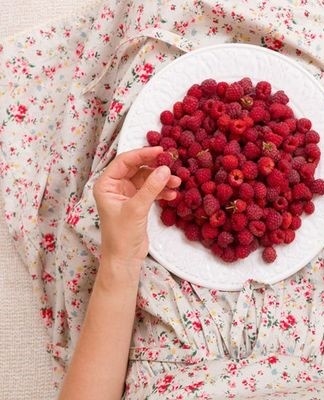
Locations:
column 79, row 50
column 272, row 360
column 197, row 326
column 232, row 368
column 17, row 112
column 143, row 72
column 274, row 43
column 48, row 242
column 291, row 320
column 322, row 347
column 47, row 315
column 194, row 387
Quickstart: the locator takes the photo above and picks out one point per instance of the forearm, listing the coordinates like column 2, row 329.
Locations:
column 99, row 364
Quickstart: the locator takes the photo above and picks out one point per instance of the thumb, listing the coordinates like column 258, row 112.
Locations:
column 151, row 188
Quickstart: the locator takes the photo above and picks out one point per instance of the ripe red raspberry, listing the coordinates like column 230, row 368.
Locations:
column 209, row 124
column 313, row 152
column 235, row 178
column 166, row 130
column 220, row 176
column 233, row 109
column 273, row 138
column 176, row 201
column 183, row 210
column 186, row 139
column 307, row 171
column 246, row 84
column 178, row 110
column 300, row 137
column 280, row 111
column 167, row 143
column 258, row 114
column 265, row 165
column 286, row 220
column 192, row 198
column 234, row 92
column 269, row 254
column 273, row 220
column 295, row 223
column 301, row 192
column 280, row 97
column 245, row 237
column 249, row 170
column 205, row 159
column 203, row 175
column 221, row 88
column 194, row 149
column 183, row 173
column 208, row 87
column 293, row 177
column 272, row 194
column 242, row 251
column 217, row 219
column 230, row 162
column 297, row 162
column 192, row 232
column 211, row 204
column 229, row 255
column 175, row 132
column 312, row 137
column 304, row 125
column 317, row 186
column 262, row 90
column 237, row 206
column 239, row 221
column 309, row 207
column 280, row 204
column 217, row 109
column 224, row 239
column 246, row 191
column 224, row 192
column 183, row 121
column 166, row 117
column 153, row 138
column 190, row 104
column 223, row 122
column 200, row 135
column 289, row 236
column 277, row 179
column 290, row 144
column 164, row 158
column 208, row 187
column 194, row 121
column 253, row 211
column 208, row 231
column 269, row 149
column 192, row 165
column 232, row 147
column 195, row 91
column 260, row 190
column 296, row 207
column 251, row 151
column 218, row 251
column 218, row 142
column 238, row 127
column 281, row 128
column 292, row 123
column 169, row 216
column 277, row 236
column 284, row 166
column 257, row 228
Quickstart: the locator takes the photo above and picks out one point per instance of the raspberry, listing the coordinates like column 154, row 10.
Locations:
column 249, row 170
column 220, row 176
column 263, row 90
column 269, row 254
column 304, row 125
column 221, row 88
column 260, row 190
column 296, row 207
column 245, row 237
column 281, row 128
column 273, row 138
column 247, row 85
column 208, row 231
column 205, row 159
column 218, row 142
column 292, row 123
column 175, row 132
column 166, row 117
column 164, row 158
column 176, row 201
column 290, row 144
column 192, row 198
column 309, row 207
column 186, row 139
column 238, row 127
column 251, row 151
column 307, row 171
column 209, row 124
column 153, row 138
column 232, row 109
column 317, row 186
column 192, row 232
column 272, row 194
column 218, row 251
column 183, row 121
column 237, row 206
column 169, row 216
column 277, row 236
column 297, row 162
column 313, row 152
column 280, row 204
column 209, row 87
column 293, row 177
column 273, row 220
column 253, row 211
column 232, row 147
column 289, row 236
column 200, row 216
column 242, row 251
column 224, row 192
column 166, row 130
column 194, row 121
column 284, row 166
column 224, row 239
column 183, row 210
column 312, row 137
column 194, row 149
column 217, row 109
column 230, row 162
column 239, row 221
column 269, row 149
column 265, row 165
column 300, row 137
column 208, row 187
column 277, row 179
column 257, row 228
column 229, row 255
column 301, row 192
column 211, row 204
column 192, row 165
column 280, row 97
column 286, row 220
column 234, row 92
column 258, row 114
column 167, row 142
column 280, row 111
column 189, row 104
column 246, row 191
column 178, row 110
column 218, row 219
column 295, row 223
column 223, row 122
column 235, row 178
column 195, row 91
column 183, row 173
column 203, row 175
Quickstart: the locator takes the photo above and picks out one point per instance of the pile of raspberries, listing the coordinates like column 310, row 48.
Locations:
column 246, row 164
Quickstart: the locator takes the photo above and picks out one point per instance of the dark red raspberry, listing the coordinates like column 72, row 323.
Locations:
column 195, row 91
column 192, row 165
column 289, row 236
column 175, row 132
column 273, row 220
column 194, row 149
column 246, row 191
column 272, row 194
column 232, row 147
column 257, row 228
column 253, row 211
column 200, row 134
column 178, row 110
column 265, row 165
column 166, row 130
column 183, row 173
column 205, row 159
column 269, row 254
column 211, row 204
column 183, row 210
column 167, row 143
column 307, row 171
column 304, row 125
column 209, row 87
column 269, row 149
column 166, row 117
column 258, row 114
column 281, row 128
column 192, row 198
column 260, row 190
column 224, row 192
column 192, row 232
column 208, row 231
column 312, row 137
column 209, row 124
column 277, row 179
column 224, row 239
column 186, row 139
column 296, row 207
column 229, row 255
column 217, row 219
column 273, row 138
column 223, row 122
column 301, row 192
column 164, row 158
column 309, row 207
column 263, row 90
column 280, row 111
column 277, row 236
column 220, row 176
column 208, row 187
column 317, row 186
column 203, row 175
column 280, row 97
column 249, row 170
column 312, row 152
column 153, row 138
column 189, row 104
column 245, row 237
column 242, row 251
column 218, row 142
column 280, row 204
column 251, row 151
column 169, row 216
column 292, row 123
column 234, row 92
column 234, row 109
column 175, row 202
column 295, row 223
column 247, row 85
column 194, row 121
column 217, row 109
column 239, row 221
column 221, row 88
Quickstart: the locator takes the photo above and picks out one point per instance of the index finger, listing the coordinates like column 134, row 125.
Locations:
column 125, row 165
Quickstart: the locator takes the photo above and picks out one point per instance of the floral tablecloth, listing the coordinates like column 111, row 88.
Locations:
column 65, row 88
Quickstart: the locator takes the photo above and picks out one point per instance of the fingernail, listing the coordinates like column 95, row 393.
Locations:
column 163, row 172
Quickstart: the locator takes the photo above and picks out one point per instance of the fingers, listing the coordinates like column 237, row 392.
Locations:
column 140, row 177
column 125, row 165
column 152, row 187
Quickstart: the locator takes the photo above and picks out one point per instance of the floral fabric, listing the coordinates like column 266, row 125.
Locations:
column 65, row 88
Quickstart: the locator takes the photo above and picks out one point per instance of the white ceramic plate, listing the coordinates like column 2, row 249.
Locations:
column 229, row 62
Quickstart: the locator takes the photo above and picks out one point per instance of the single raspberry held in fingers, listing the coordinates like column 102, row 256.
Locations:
column 164, row 158
column 269, row 254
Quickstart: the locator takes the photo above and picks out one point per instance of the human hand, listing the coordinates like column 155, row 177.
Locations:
column 124, row 194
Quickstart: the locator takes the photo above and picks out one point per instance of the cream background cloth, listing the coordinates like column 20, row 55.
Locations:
column 25, row 367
